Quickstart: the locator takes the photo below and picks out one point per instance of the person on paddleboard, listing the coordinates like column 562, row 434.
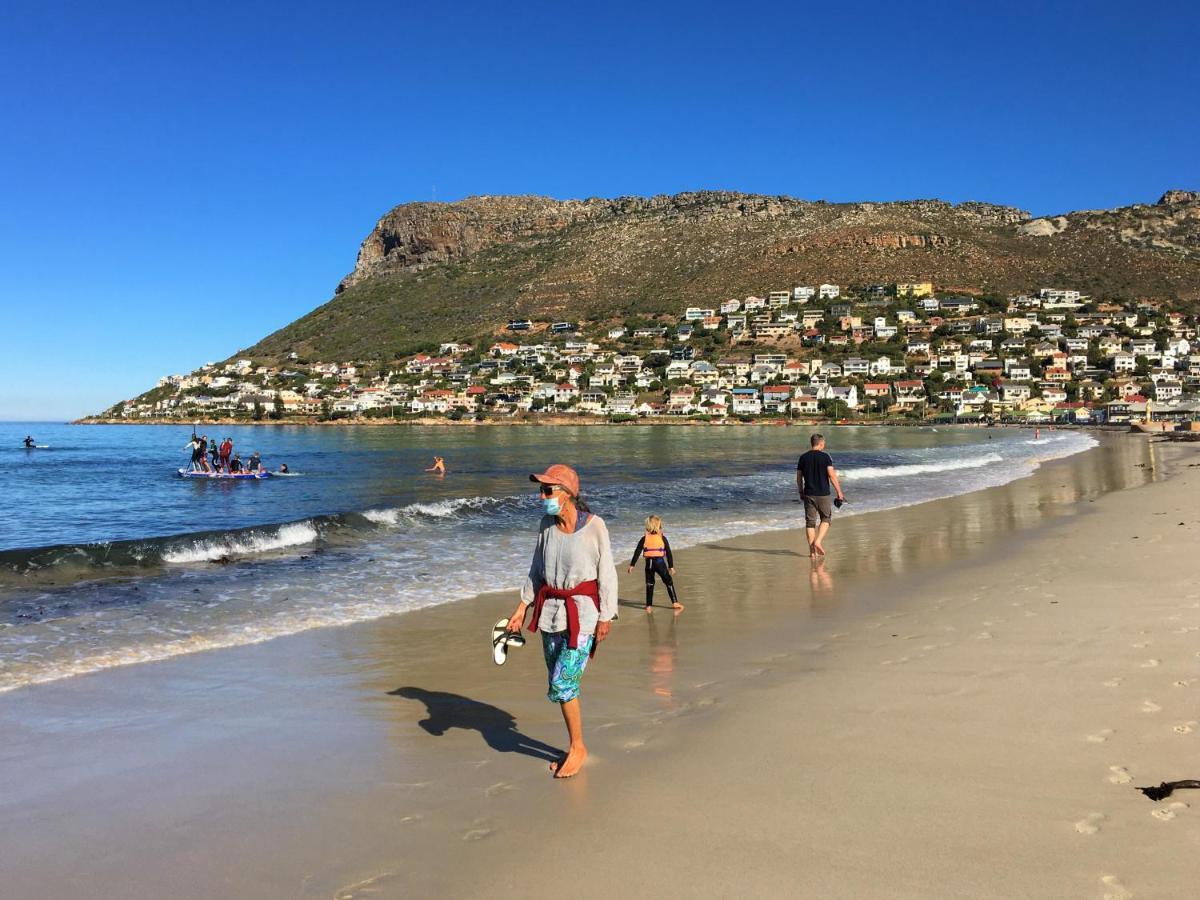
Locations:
column 29, row 444
column 194, row 446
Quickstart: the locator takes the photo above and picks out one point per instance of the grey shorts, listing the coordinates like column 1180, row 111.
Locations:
column 817, row 508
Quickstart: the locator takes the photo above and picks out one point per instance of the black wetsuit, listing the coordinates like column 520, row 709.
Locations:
column 197, row 455
column 657, row 565
column 29, row 445
column 212, row 456
column 235, row 466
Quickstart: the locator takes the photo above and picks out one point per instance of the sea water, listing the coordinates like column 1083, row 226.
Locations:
column 108, row 557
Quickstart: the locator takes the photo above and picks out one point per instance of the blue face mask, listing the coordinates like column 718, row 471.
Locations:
column 551, row 506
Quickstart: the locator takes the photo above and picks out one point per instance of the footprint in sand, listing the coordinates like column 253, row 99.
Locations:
column 1184, row 682
column 1185, row 727
column 1090, row 824
column 1099, row 737
column 1149, row 706
column 477, row 834
column 634, row 743
column 1119, row 775
column 1150, row 664
column 983, row 636
column 1170, row 811
column 1113, row 889
column 1141, row 645
column 499, row 788
column 1113, row 682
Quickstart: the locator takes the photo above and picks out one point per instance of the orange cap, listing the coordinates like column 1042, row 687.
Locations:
column 564, row 476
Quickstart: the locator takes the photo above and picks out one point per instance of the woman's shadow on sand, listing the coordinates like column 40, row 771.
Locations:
column 496, row 726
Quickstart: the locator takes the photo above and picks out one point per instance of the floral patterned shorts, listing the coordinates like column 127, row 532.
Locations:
column 564, row 665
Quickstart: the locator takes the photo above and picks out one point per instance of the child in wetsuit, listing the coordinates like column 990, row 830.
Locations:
column 655, row 547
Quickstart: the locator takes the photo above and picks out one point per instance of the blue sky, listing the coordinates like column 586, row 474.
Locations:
column 176, row 183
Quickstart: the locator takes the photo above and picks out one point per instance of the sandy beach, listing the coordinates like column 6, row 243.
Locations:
column 959, row 702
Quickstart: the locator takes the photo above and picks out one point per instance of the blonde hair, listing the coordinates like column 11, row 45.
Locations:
column 653, row 524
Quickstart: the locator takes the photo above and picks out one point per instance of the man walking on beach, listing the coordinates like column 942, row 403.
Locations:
column 815, row 476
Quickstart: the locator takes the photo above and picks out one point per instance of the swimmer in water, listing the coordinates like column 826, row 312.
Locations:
column 438, row 467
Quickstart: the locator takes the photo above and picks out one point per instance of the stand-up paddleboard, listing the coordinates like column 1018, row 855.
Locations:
column 184, row 473
column 39, row 447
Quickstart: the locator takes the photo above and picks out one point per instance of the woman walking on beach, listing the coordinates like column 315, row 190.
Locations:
column 572, row 586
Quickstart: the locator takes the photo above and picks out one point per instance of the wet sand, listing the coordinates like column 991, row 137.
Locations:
column 957, row 703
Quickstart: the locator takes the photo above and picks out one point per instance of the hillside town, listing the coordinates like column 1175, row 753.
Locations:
column 897, row 352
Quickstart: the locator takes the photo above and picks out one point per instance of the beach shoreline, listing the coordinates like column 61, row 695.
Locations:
column 798, row 668
column 598, row 421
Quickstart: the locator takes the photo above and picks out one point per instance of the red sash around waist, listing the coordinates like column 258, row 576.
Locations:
column 583, row 589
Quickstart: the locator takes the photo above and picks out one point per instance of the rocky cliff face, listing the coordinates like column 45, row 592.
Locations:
column 418, row 235
column 1172, row 224
column 435, row 271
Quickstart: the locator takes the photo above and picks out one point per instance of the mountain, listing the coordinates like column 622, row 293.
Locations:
column 429, row 272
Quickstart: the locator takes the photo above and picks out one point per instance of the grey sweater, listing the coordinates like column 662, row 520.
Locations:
column 564, row 560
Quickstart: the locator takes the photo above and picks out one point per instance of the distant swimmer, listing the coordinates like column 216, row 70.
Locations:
column 438, row 467
column 1037, row 434
column 29, row 444
column 655, row 547
column 815, row 476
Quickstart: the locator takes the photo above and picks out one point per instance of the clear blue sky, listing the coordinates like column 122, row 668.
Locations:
column 178, row 180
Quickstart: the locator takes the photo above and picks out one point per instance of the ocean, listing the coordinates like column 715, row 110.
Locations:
column 108, row 558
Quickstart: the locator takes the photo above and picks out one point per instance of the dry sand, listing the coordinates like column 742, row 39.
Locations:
column 958, row 703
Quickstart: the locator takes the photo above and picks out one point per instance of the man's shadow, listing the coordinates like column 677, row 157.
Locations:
column 496, row 726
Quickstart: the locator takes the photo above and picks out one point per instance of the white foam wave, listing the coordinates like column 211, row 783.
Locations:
column 294, row 534
column 437, row 509
column 904, row 471
column 382, row 516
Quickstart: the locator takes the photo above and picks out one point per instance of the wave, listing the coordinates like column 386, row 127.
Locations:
column 441, row 509
column 293, row 534
column 104, row 558
column 903, row 471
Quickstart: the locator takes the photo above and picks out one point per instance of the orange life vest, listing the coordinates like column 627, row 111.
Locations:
column 655, row 547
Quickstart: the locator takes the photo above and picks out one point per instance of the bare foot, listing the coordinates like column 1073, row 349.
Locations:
column 818, row 549
column 677, row 606
column 573, row 763
column 649, row 609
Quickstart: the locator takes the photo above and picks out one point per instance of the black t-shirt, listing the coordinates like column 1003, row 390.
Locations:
column 814, row 466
